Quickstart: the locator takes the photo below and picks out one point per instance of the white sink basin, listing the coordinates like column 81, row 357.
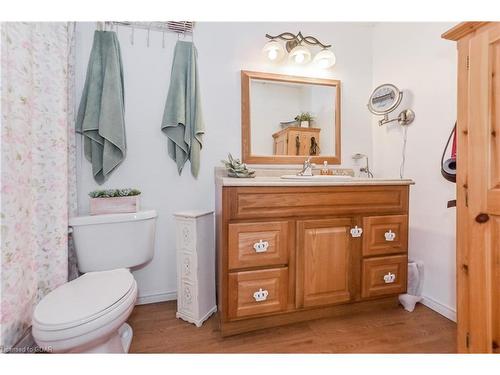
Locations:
column 316, row 178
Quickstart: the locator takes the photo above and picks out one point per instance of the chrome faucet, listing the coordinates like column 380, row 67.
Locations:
column 365, row 169
column 307, row 168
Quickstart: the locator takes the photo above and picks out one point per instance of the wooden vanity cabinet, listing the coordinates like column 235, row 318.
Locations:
column 288, row 254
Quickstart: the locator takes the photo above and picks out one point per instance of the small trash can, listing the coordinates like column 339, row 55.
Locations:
column 415, row 285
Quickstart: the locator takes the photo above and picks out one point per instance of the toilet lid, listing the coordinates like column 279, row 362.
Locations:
column 78, row 300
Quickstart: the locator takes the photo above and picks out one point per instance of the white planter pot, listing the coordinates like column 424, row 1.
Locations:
column 304, row 124
column 115, row 205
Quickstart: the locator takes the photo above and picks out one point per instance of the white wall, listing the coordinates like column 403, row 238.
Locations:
column 224, row 49
column 418, row 61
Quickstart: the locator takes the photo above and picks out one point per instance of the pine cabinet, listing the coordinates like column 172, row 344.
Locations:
column 296, row 141
column 478, row 186
column 289, row 254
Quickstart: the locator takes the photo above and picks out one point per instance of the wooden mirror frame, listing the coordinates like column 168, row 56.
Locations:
column 246, row 77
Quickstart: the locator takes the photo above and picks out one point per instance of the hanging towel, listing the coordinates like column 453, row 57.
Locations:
column 182, row 119
column 101, row 113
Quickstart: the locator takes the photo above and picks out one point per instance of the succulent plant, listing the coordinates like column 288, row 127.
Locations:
column 111, row 193
column 304, row 116
column 235, row 168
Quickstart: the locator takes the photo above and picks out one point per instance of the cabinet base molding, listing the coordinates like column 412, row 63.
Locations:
column 196, row 322
column 248, row 325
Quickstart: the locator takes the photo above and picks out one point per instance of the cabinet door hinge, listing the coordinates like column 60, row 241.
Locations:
column 467, row 340
column 467, row 62
column 494, row 345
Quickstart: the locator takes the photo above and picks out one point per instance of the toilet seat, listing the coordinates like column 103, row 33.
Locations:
column 87, row 306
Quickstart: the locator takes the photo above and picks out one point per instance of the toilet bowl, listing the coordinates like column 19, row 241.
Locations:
column 89, row 314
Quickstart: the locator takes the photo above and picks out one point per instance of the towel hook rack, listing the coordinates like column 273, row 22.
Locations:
column 181, row 28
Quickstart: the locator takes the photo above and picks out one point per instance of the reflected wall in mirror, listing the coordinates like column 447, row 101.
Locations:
column 286, row 119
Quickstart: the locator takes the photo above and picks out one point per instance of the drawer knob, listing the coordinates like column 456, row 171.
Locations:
column 389, row 278
column 390, row 236
column 356, row 231
column 261, row 246
column 260, row 295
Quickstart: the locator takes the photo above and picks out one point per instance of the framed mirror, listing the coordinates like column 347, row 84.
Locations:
column 286, row 119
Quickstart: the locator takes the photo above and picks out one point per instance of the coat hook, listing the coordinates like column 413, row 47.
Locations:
column 163, row 40
column 132, row 37
column 149, row 31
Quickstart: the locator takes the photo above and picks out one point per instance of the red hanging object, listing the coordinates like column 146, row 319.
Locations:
column 454, row 145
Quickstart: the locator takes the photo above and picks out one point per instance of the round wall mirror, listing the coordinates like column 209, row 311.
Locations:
column 384, row 99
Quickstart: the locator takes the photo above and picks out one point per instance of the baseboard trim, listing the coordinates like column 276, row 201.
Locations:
column 156, row 297
column 440, row 308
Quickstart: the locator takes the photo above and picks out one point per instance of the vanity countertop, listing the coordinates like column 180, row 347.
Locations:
column 273, row 178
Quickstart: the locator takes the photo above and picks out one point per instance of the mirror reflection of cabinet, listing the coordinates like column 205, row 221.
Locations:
column 297, row 141
column 274, row 105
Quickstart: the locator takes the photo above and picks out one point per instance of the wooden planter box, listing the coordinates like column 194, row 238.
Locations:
column 115, row 205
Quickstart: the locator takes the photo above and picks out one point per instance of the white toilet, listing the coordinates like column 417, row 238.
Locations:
column 88, row 314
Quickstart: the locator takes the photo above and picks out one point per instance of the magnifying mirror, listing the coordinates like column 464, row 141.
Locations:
column 385, row 99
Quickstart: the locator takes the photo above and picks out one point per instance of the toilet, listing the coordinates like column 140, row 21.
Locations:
column 89, row 314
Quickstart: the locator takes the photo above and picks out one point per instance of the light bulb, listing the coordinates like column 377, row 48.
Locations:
column 325, row 59
column 323, row 63
column 273, row 50
column 299, row 58
column 300, row 55
column 272, row 54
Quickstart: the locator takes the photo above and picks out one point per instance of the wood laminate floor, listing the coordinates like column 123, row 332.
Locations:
column 394, row 330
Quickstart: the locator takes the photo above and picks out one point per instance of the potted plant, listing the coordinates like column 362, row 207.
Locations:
column 305, row 119
column 113, row 201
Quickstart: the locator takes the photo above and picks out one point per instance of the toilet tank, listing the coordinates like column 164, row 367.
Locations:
column 106, row 242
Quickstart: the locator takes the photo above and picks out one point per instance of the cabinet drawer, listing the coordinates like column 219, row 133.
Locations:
column 257, row 292
column 384, row 275
column 186, row 235
column 187, row 298
column 258, row 244
column 186, row 266
column 385, row 235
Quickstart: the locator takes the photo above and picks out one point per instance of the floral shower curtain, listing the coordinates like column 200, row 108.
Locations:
column 38, row 178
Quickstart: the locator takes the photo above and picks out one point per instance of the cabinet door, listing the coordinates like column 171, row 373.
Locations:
column 324, row 259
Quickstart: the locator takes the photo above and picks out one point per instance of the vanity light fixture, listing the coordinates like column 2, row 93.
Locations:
column 298, row 51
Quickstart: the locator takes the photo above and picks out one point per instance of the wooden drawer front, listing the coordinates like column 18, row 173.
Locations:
column 384, row 275
column 257, row 292
column 378, row 232
column 262, row 202
column 258, row 244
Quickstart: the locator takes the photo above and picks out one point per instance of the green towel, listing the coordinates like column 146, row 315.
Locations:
column 101, row 113
column 182, row 119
